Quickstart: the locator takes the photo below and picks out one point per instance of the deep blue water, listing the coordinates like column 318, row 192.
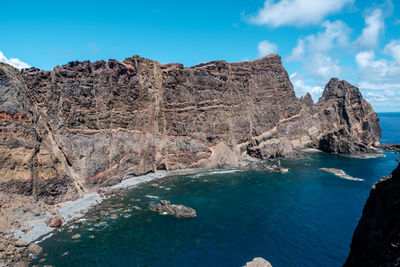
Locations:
column 302, row 218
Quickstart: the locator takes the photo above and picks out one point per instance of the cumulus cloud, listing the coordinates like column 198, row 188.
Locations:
column 301, row 88
column 393, row 49
column 377, row 70
column 296, row 12
column 323, row 67
column 298, row 51
column 15, row 62
column 369, row 37
column 335, row 34
column 380, row 78
column 265, row 48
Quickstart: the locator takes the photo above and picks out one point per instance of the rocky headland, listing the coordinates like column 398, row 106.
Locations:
column 376, row 240
column 66, row 133
column 83, row 125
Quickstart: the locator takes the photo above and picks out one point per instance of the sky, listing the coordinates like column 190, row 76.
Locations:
column 353, row 40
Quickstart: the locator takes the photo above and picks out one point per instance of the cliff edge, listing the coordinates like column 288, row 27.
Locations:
column 376, row 240
column 88, row 124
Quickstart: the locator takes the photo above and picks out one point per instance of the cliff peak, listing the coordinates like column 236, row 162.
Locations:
column 336, row 88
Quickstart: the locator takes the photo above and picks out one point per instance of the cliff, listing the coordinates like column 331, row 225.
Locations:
column 64, row 132
column 376, row 240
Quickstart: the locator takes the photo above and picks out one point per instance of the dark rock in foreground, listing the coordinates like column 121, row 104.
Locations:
column 258, row 262
column 179, row 211
column 376, row 240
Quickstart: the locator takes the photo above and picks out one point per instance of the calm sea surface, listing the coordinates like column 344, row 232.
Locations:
column 302, row 218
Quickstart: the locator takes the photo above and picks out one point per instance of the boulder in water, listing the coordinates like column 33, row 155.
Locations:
column 258, row 262
column 179, row 211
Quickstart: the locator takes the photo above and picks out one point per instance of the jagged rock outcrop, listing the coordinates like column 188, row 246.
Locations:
column 356, row 126
column 376, row 240
column 87, row 124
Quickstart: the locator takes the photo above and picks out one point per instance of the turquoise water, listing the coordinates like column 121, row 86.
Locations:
column 302, row 218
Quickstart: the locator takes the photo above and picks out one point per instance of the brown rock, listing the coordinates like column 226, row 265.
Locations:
column 55, row 222
column 258, row 262
column 76, row 236
column 178, row 211
column 21, row 264
column 376, row 240
column 21, row 243
column 86, row 124
column 35, row 249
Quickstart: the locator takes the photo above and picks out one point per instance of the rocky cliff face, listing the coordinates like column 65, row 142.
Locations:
column 376, row 240
column 86, row 124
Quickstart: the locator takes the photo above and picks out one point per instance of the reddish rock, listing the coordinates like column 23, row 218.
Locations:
column 87, row 124
column 55, row 222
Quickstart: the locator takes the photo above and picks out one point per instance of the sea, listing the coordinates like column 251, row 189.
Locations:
column 302, row 218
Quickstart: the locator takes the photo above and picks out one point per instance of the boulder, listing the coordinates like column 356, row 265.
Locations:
column 35, row 249
column 179, row 211
column 258, row 262
column 55, row 222
column 76, row 236
column 21, row 243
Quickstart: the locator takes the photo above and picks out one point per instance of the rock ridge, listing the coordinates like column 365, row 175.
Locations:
column 88, row 124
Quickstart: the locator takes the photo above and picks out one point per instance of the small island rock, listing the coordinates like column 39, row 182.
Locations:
column 179, row 211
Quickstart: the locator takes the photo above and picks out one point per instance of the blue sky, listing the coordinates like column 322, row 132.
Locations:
column 355, row 40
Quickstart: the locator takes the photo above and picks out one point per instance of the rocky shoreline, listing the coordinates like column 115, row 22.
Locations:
column 35, row 227
column 70, row 136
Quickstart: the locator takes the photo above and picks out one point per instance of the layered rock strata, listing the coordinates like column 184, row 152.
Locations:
column 376, row 240
column 83, row 125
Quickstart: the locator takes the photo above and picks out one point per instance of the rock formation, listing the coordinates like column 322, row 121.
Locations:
column 376, row 240
column 83, row 125
column 258, row 262
column 179, row 211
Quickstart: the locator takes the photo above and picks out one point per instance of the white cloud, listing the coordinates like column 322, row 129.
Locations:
column 335, row 34
column 298, row 51
column 265, row 48
column 323, row 67
column 373, row 97
column 301, row 88
column 367, row 85
column 380, row 78
column 377, row 70
column 296, row 12
column 15, row 62
column 374, row 27
column 393, row 49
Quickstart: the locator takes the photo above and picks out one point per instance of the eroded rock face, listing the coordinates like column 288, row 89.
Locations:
column 376, row 240
column 349, row 122
column 83, row 125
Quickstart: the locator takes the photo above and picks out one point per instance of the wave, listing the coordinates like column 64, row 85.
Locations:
column 153, row 197
column 213, row 173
